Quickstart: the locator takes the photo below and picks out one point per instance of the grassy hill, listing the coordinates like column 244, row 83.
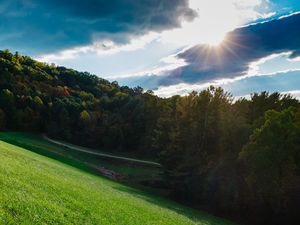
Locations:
column 37, row 190
column 131, row 173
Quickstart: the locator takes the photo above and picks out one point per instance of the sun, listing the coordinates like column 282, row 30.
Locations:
column 210, row 32
column 214, row 39
column 210, row 25
column 197, row 32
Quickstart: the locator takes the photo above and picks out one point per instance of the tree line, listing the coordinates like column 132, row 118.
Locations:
column 235, row 158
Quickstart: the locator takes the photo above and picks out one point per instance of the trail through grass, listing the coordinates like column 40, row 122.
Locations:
column 38, row 144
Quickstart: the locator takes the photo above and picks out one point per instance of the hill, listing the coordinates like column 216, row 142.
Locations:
column 37, row 190
column 130, row 171
column 75, row 106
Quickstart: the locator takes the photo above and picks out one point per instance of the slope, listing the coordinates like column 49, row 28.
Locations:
column 38, row 190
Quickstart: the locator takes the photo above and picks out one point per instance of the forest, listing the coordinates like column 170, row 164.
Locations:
column 234, row 158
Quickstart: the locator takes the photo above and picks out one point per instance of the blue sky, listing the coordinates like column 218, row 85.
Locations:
column 169, row 46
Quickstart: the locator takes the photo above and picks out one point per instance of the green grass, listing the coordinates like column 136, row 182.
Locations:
column 137, row 175
column 36, row 143
column 37, row 190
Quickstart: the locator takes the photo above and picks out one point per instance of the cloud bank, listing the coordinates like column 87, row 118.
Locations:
column 241, row 49
column 40, row 27
column 277, row 82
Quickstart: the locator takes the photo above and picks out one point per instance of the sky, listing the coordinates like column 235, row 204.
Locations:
column 169, row 46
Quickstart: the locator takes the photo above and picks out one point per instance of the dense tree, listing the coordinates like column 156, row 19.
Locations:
column 272, row 159
column 2, row 119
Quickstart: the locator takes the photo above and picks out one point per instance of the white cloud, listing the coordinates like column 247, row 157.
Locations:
column 215, row 19
column 179, row 89
column 296, row 59
column 295, row 93
column 254, row 68
column 170, row 63
column 184, row 88
column 103, row 47
column 268, row 15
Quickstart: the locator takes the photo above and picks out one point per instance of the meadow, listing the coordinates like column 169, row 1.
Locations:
column 35, row 189
column 135, row 174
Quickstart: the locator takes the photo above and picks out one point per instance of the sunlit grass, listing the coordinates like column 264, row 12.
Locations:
column 37, row 190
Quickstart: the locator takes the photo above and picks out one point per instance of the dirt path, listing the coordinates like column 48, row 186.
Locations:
column 91, row 151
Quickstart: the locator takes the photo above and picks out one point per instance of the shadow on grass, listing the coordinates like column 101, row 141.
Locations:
column 53, row 155
column 69, row 159
column 194, row 215
column 80, row 160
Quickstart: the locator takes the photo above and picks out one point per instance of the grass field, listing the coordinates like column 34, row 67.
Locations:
column 35, row 189
column 144, row 177
column 135, row 173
